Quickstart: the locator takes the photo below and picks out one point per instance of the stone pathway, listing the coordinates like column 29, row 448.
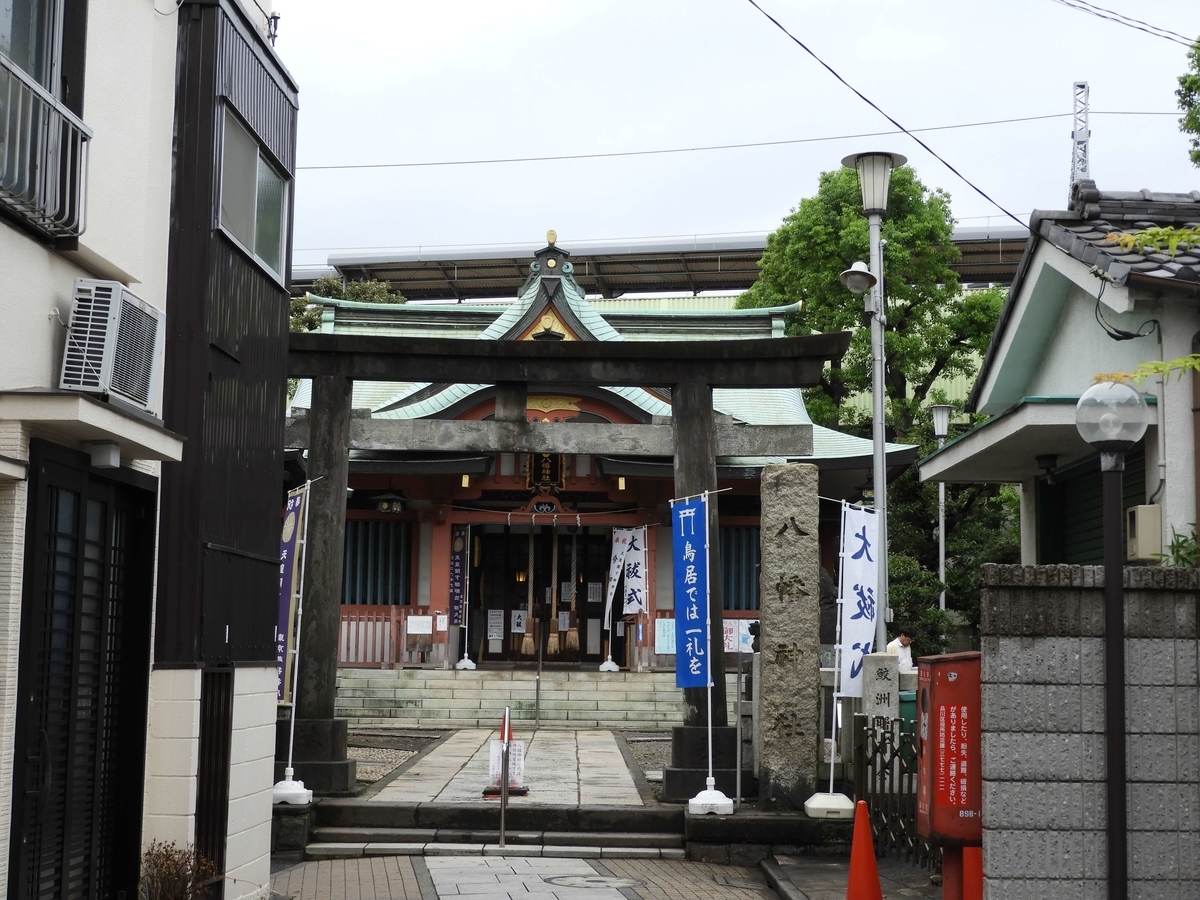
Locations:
column 562, row 768
column 509, row 878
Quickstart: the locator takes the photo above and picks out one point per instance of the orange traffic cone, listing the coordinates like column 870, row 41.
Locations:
column 972, row 873
column 864, row 874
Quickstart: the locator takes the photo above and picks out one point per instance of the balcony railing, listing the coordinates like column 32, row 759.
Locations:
column 43, row 156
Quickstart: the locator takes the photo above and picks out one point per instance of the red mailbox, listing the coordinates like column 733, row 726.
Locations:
column 949, row 783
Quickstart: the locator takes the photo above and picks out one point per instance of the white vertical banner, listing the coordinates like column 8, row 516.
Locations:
column 616, row 565
column 635, row 573
column 856, row 592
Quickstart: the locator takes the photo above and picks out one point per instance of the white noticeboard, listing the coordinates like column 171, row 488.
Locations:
column 737, row 631
column 442, row 622
column 518, row 621
column 516, row 763
column 595, row 592
column 495, row 625
column 418, row 625
column 664, row 637
column 564, row 621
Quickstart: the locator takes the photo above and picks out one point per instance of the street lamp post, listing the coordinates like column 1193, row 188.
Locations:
column 941, row 428
column 874, row 173
column 1112, row 417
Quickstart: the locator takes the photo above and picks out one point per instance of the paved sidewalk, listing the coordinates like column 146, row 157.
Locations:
column 817, row 878
column 517, row 878
column 562, row 768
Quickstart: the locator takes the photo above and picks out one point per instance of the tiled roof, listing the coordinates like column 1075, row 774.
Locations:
column 1083, row 231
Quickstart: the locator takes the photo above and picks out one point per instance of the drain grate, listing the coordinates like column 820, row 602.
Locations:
column 742, row 884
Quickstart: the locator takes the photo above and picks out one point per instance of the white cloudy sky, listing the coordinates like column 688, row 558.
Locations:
column 413, row 81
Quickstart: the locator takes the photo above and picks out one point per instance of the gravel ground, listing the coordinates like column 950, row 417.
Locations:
column 652, row 750
column 379, row 752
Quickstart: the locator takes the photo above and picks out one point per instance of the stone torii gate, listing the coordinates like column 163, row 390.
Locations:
column 691, row 369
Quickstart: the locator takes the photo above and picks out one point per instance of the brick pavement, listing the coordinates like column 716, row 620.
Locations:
column 370, row 878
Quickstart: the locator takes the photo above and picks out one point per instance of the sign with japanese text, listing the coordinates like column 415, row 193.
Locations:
column 289, row 576
column 949, row 779
column 495, row 624
column 689, row 552
column 459, row 539
column 859, row 578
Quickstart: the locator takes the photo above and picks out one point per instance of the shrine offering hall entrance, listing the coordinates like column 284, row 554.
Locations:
column 510, row 565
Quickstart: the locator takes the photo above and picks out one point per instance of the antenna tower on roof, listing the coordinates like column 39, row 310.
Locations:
column 1079, row 136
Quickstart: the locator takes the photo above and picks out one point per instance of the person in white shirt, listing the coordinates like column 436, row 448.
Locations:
column 902, row 647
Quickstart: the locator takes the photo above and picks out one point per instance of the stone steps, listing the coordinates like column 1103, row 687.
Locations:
column 448, row 698
column 353, row 828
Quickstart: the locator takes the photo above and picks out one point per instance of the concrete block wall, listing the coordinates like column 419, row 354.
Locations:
column 172, row 753
column 1043, row 732
column 251, row 778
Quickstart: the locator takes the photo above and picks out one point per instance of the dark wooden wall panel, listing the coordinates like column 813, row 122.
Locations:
column 226, row 360
column 264, row 98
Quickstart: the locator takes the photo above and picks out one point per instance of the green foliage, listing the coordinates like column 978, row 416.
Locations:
column 982, row 525
column 307, row 317
column 1184, row 550
column 1162, row 368
column 1156, row 237
column 933, row 329
column 913, row 593
column 1188, row 96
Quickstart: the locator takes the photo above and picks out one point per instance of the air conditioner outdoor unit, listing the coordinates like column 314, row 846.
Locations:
column 114, row 345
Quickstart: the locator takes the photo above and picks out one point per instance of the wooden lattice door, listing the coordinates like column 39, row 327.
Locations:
column 80, row 736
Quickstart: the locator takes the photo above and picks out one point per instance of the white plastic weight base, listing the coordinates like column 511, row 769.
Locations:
column 464, row 663
column 289, row 791
column 609, row 666
column 829, row 806
column 710, row 801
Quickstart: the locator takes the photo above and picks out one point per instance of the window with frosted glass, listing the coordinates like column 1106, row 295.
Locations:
column 254, row 196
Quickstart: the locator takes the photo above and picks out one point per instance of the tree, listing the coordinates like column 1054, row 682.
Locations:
column 1188, row 96
column 934, row 330
column 307, row 317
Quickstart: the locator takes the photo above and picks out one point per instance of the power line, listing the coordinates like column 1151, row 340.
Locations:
column 1112, row 15
column 873, row 106
column 704, row 149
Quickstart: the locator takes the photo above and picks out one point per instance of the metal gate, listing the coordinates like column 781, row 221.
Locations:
column 885, row 775
column 84, row 659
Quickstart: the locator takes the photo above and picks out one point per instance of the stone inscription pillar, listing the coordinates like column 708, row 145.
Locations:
column 789, row 595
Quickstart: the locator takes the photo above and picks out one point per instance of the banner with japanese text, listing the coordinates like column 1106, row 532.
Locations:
column 459, row 537
column 629, row 562
column 635, row 573
column 856, row 590
column 689, row 553
column 289, row 575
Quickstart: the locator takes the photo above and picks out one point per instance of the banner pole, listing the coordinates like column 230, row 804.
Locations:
column 299, row 620
column 708, row 631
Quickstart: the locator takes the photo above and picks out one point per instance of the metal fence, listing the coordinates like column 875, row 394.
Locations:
column 885, row 776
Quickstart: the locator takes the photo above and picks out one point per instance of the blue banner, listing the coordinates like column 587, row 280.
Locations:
column 293, row 524
column 689, row 551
